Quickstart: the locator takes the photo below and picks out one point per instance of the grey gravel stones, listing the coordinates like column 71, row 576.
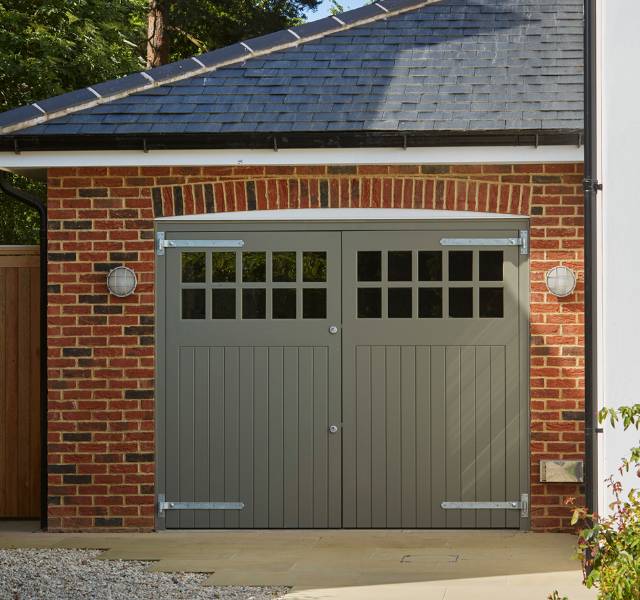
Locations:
column 57, row 574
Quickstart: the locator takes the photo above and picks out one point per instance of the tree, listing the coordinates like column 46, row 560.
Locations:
column 157, row 34
column 50, row 47
column 191, row 27
column 55, row 46
column 336, row 8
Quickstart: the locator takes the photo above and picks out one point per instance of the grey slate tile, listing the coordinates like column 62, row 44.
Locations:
column 316, row 27
column 66, row 100
column 364, row 12
column 173, row 69
column 17, row 115
column 270, row 40
column 116, row 86
column 223, row 54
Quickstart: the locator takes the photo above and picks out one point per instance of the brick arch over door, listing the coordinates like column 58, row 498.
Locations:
column 255, row 188
column 101, row 349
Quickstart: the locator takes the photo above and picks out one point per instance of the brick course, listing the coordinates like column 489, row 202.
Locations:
column 101, row 348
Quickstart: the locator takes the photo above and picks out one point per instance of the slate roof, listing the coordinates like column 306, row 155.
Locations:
column 448, row 65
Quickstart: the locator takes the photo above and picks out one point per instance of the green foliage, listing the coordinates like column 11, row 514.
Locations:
column 630, row 417
column 50, row 47
column 19, row 224
column 336, row 7
column 199, row 25
column 54, row 46
column 610, row 546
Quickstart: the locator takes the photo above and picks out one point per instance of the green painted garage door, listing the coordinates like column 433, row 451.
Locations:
column 344, row 377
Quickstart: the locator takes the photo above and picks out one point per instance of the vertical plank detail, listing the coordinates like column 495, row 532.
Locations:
column 19, row 382
column 498, row 438
column 408, row 434
column 393, row 435
column 379, row 434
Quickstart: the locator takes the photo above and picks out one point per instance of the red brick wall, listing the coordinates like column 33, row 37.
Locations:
column 101, row 348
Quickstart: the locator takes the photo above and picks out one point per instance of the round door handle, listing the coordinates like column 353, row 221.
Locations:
column 333, row 330
column 333, row 429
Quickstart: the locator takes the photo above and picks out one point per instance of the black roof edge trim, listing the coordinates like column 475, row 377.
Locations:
column 347, row 139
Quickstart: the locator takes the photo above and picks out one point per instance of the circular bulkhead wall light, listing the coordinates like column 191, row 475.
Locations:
column 561, row 281
column 122, row 282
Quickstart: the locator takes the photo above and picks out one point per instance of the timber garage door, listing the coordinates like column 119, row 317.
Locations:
column 343, row 378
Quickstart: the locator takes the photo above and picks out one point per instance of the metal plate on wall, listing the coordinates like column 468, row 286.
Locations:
column 561, row 471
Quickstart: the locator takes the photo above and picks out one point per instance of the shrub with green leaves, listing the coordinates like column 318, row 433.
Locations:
column 610, row 546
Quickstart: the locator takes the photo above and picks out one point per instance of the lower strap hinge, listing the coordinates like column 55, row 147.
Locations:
column 522, row 505
column 163, row 505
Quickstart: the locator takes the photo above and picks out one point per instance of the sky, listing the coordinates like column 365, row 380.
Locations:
column 325, row 6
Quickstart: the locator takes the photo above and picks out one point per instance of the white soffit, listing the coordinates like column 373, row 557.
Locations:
column 293, row 156
column 340, row 214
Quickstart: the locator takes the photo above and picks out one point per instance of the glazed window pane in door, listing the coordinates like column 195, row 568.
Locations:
column 223, row 303
column 193, row 304
column 491, row 303
column 254, row 303
column 369, row 266
column 369, row 303
column 490, row 265
column 284, row 303
column 399, row 266
column 283, row 266
column 430, row 303
column 314, row 266
column 461, row 303
column 430, row 265
column 193, row 267
column 399, row 303
column 314, row 303
column 460, row 265
column 254, row 266
column 223, row 267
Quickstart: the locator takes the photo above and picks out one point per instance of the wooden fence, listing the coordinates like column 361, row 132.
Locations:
column 19, row 382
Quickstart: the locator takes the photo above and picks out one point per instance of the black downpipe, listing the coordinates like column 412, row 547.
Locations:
column 591, row 187
column 35, row 202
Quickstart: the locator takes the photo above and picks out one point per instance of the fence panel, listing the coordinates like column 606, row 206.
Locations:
column 19, row 382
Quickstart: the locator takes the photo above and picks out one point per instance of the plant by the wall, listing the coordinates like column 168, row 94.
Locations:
column 610, row 546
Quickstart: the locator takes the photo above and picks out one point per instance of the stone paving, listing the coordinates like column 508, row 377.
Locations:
column 349, row 564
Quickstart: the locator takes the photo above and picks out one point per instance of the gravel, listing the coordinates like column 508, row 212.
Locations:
column 56, row 574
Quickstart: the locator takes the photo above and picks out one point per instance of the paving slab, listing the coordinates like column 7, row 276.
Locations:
column 350, row 564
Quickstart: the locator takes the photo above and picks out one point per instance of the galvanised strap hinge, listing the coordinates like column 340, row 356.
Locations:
column 162, row 243
column 163, row 505
column 522, row 240
column 522, row 505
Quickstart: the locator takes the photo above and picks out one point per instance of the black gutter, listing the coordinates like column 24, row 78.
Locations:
column 35, row 202
column 281, row 140
column 591, row 187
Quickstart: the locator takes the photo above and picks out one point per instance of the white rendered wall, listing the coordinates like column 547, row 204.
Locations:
column 620, row 224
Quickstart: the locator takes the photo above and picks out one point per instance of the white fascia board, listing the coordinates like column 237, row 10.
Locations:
column 341, row 214
column 293, row 156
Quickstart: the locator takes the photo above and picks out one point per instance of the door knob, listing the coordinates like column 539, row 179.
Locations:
column 333, row 330
column 333, row 429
